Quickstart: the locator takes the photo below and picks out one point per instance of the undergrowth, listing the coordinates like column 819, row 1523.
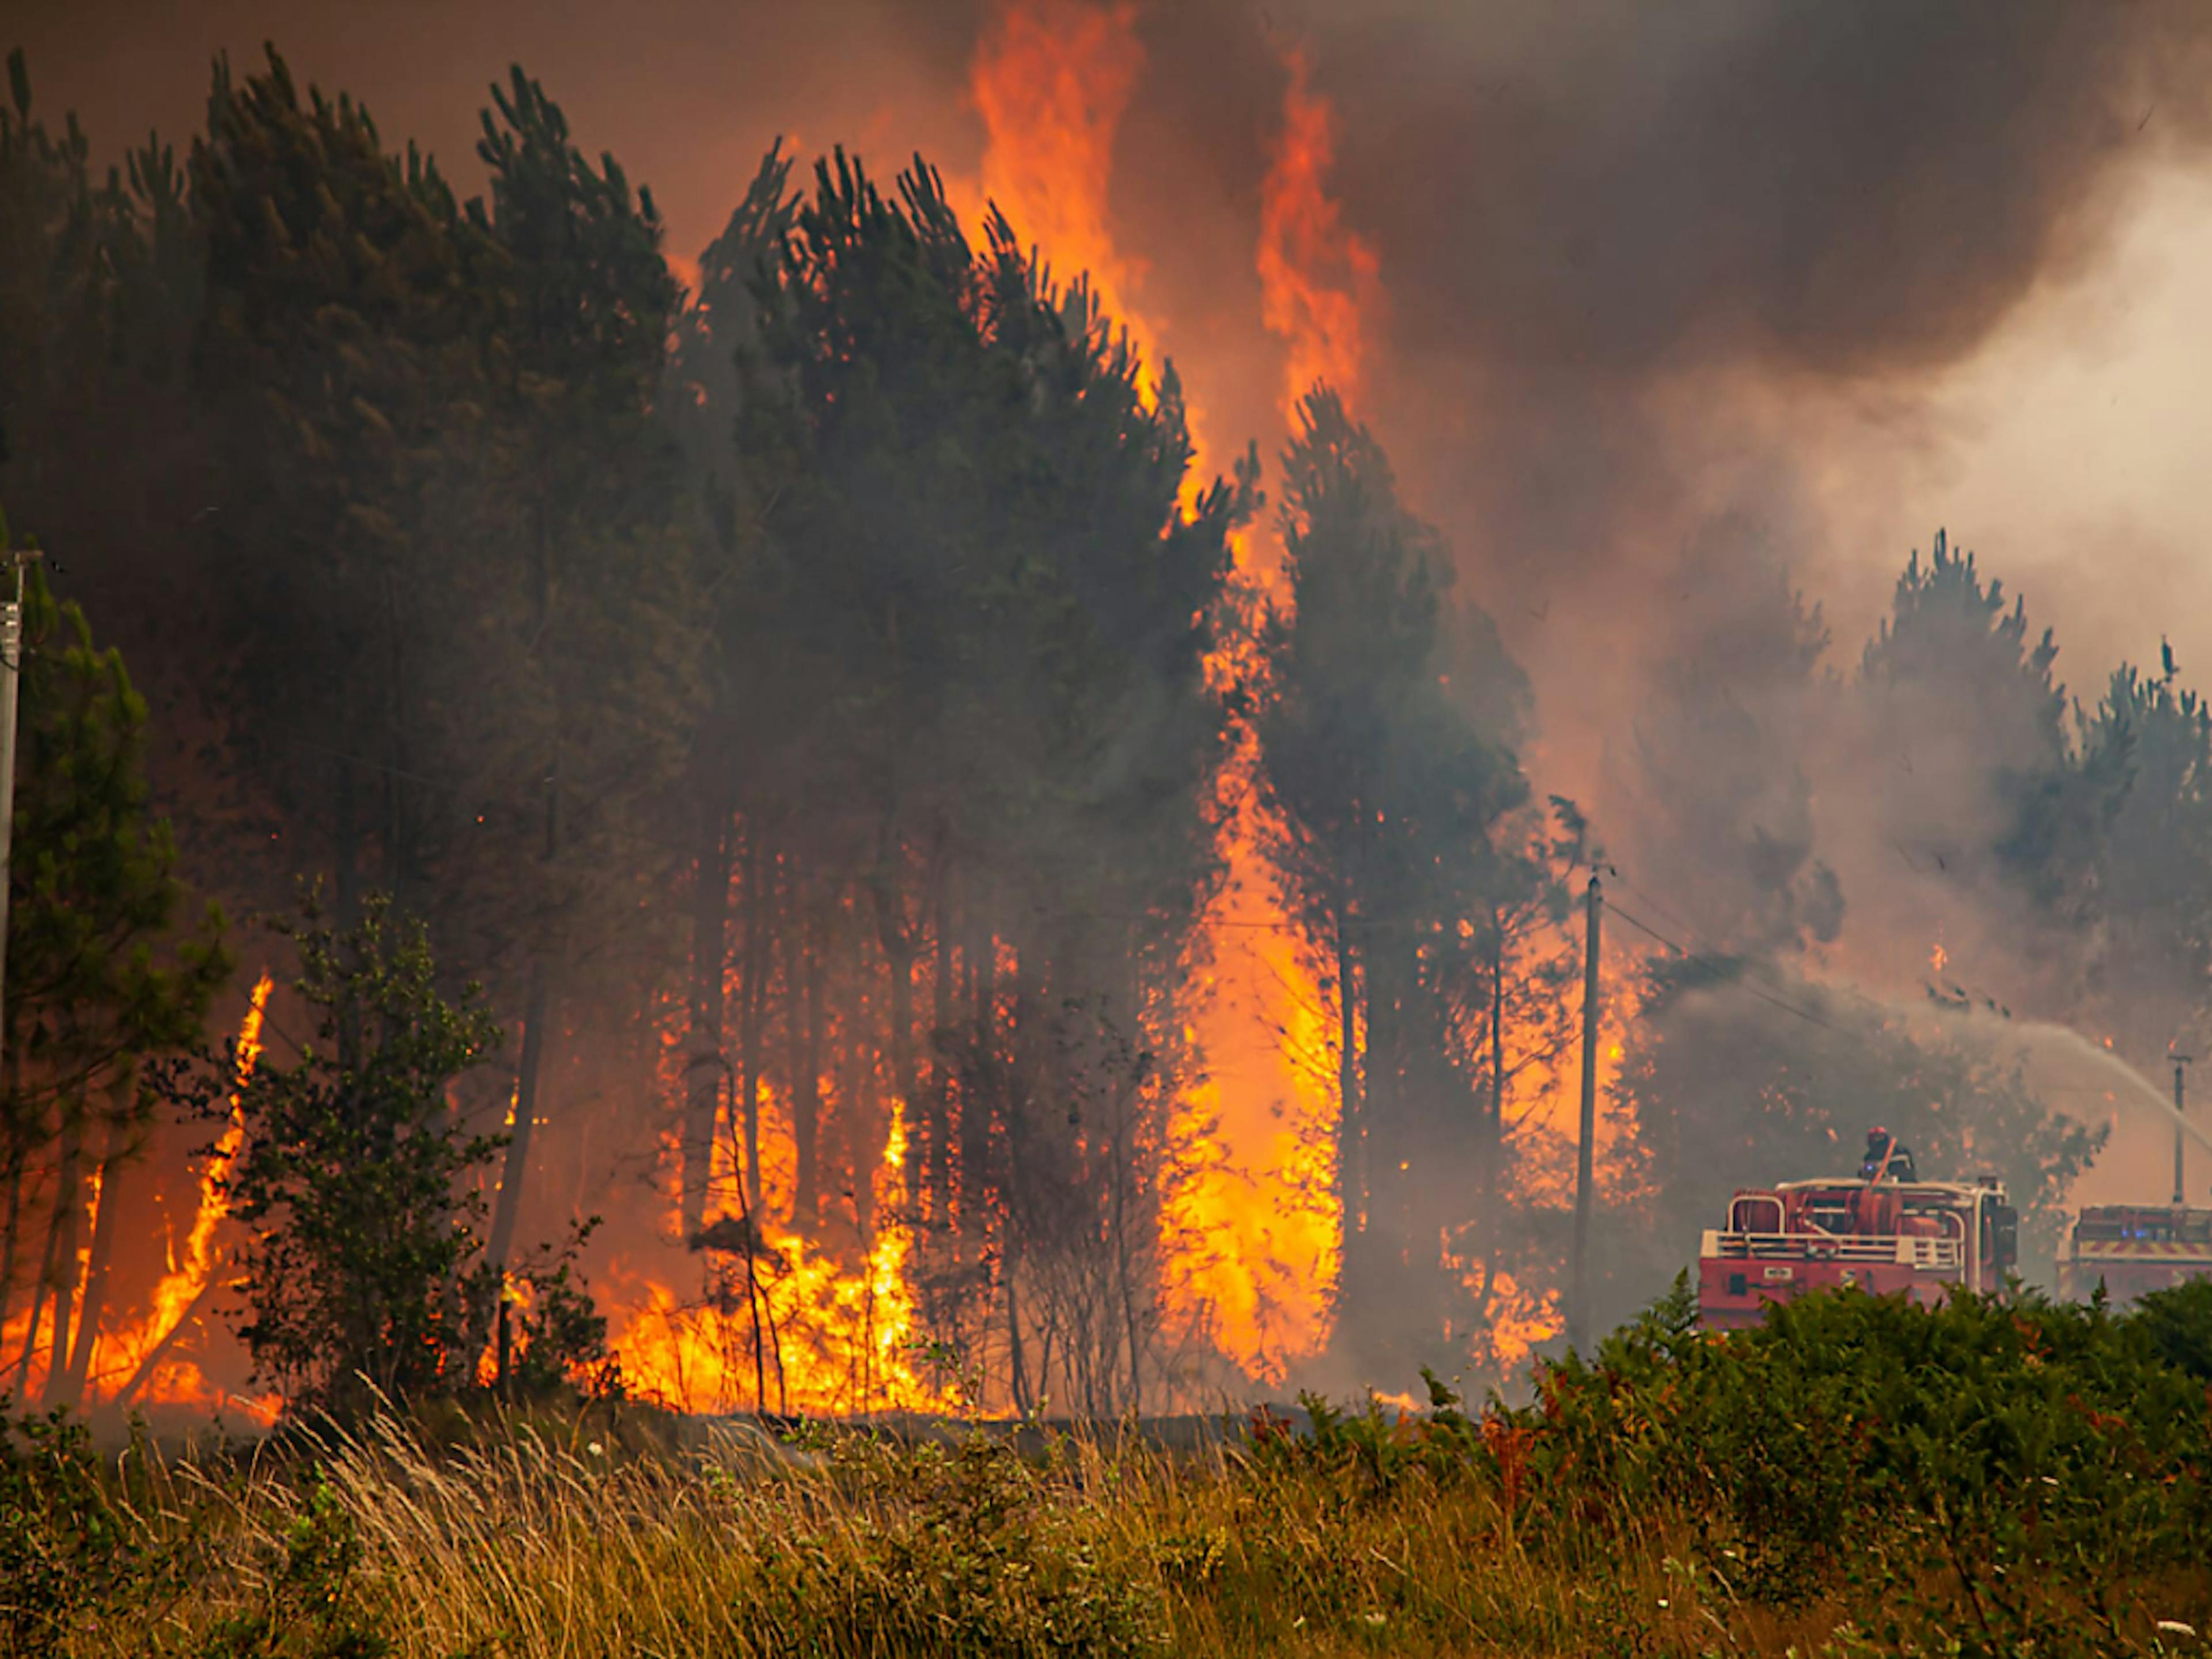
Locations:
column 1857, row 1477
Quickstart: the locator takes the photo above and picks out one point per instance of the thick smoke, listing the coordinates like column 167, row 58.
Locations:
column 1649, row 272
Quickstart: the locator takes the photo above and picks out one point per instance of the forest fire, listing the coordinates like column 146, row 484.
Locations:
column 785, row 1325
column 150, row 1362
column 975, row 739
column 964, row 913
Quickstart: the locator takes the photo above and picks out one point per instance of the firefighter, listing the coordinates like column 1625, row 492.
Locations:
column 1887, row 1158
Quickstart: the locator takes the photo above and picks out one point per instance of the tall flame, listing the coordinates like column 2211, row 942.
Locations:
column 1259, row 1234
column 183, row 1285
column 1320, row 283
column 1052, row 80
column 834, row 1339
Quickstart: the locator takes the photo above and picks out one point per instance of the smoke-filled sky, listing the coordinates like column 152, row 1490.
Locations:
column 1838, row 274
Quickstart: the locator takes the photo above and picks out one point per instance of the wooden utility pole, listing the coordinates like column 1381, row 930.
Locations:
column 11, row 664
column 1578, row 1280
column 2180, row 1192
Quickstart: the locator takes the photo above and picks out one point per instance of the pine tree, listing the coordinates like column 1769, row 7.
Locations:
column 104, row 975
column 1386, row 743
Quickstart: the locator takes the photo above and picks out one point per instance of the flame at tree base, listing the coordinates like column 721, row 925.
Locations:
column 784, row 1324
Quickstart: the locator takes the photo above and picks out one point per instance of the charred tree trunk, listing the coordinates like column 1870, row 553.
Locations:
column 93, row 1301
column 1015, row 1195
column 858, row 1105
column 515, row 1171
column 1493, row 1124
column 59, row 1273
column 752, row 1000
column 1124, row 1171
column 1019, row 1373
column 345, row 845
column 896, row 939
column 705, row 1065
column 976, row 1103
column 1351, row 1109
column 937, row 1137
column 398, row 836
column 806, row 969
column 11, row 1233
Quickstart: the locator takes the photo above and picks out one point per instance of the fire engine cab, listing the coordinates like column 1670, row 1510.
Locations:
column 2131, row 1249
column 1883, row 1236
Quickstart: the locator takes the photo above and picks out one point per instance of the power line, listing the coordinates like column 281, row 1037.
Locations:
column 1721, row 962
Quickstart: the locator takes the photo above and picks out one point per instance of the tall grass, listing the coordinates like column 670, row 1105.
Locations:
column 530, row 1540
column 1859, row 1477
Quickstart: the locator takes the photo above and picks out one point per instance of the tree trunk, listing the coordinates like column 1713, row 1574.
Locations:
column 806, row 953
column 1351, row 1110
column 1124, row 1156
column 705, row 1064
column 170, row 1337
column 61, row 1259
column 11, row 1234
column 1020, row 1375
column 397, row 860
column 517, row 1169
column 345, row 849
column 752, row 1000
column 938, row 1129
column 92, row 1305
column 533, row 1035
column 974, row 1105
column 896, row 939
column 1494, row 1128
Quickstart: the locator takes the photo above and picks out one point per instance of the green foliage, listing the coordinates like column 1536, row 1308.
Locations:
column 66, row 1545
column 1949, row 643
column 561, row 1336
column 102, row 975
column 2177, row 1323
column 2016, row 1471
column 309, row 1606
column 2144, row 878
column 105, row 981
column 361, row 1186
column 363, row 1264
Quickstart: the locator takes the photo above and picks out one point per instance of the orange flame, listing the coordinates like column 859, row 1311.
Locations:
column 173, row 1298
column 1052, row 80
column 835, row 1340
column 1320, row 283
column 1254, row 1233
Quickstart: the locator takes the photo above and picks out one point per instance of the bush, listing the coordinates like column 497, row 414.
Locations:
column 2033, row 1460
column 65, row 1545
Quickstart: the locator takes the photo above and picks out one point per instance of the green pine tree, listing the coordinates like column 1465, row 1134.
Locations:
column 105, row 972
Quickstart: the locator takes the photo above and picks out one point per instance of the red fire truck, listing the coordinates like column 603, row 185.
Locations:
column 2131, row 1249
column 1884, row 1237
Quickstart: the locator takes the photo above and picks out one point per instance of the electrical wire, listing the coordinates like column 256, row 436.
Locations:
column 1751, row 991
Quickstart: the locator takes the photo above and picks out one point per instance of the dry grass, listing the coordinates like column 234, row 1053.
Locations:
column 552, row 1539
